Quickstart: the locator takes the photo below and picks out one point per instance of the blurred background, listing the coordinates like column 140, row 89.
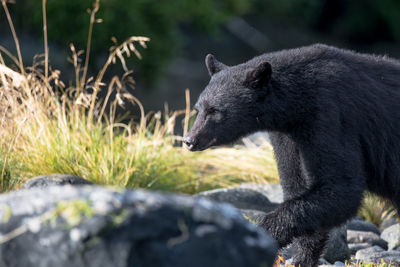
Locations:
column 182, row 32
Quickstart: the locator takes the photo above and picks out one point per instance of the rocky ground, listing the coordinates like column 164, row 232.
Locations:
column 62, row 220
column 356, row 241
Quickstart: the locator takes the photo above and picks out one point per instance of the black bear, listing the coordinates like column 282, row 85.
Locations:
column 334, row 121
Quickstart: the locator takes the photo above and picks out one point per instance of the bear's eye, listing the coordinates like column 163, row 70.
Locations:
column 211, row 110
column 215, row 114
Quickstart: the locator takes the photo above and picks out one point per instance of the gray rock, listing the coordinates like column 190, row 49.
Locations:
column 365, row 237
column 253, row 215
column 354, row 247
column 376, row 254
column 361, row 225
column 96, row 226
column 323, row 262
column 392, row 236
column 336, row 248
column 273, row 192
column 339, row 263
column 44, row 181
column 241, row 198
column 387, row 223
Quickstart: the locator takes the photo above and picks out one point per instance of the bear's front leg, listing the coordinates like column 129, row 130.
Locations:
column 323, row 184
column 320, row 209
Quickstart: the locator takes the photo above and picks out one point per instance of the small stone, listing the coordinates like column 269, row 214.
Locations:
column 241, row 198
column 339, row 263
column 376, row 254
column 323, row 262
column 354, row 247
column 44, row 181
column 365, row 237
column 387, row 223
column 392, row 236
column 361, row 225
column 273, row 192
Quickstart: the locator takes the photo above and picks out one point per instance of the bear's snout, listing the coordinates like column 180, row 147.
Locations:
column 198, row 143
column 189, row 142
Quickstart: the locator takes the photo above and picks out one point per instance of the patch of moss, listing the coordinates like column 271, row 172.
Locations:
column 73, row 211
column 120, row 217
column 7, row 213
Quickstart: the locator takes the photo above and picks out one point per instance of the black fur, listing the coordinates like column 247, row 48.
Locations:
column 334, row 122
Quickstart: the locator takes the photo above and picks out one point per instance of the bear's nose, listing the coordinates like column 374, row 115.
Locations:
column 189, row 142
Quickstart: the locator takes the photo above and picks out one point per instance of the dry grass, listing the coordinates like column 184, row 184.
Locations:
column 47, row 127
column 375, row 209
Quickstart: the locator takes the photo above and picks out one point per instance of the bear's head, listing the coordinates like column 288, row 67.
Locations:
column 232, row 105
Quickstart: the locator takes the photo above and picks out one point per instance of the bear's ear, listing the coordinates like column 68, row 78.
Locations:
column 259, row 76
column 213, row 65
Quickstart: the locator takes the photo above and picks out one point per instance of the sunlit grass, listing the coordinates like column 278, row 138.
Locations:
column 47, row 132
column 116, row 155
column 376, row 209
column 47, row 127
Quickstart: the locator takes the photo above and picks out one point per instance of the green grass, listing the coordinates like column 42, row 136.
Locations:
column 375, row 209
column 134, row 157
column 49, row 132
column 47, row 127
column 5, row 175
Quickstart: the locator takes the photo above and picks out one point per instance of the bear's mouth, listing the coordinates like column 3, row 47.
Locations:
column 197, row 146
column 190, row 147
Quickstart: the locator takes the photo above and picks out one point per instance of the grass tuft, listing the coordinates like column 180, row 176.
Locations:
column 375, row 209
column 47, row 127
